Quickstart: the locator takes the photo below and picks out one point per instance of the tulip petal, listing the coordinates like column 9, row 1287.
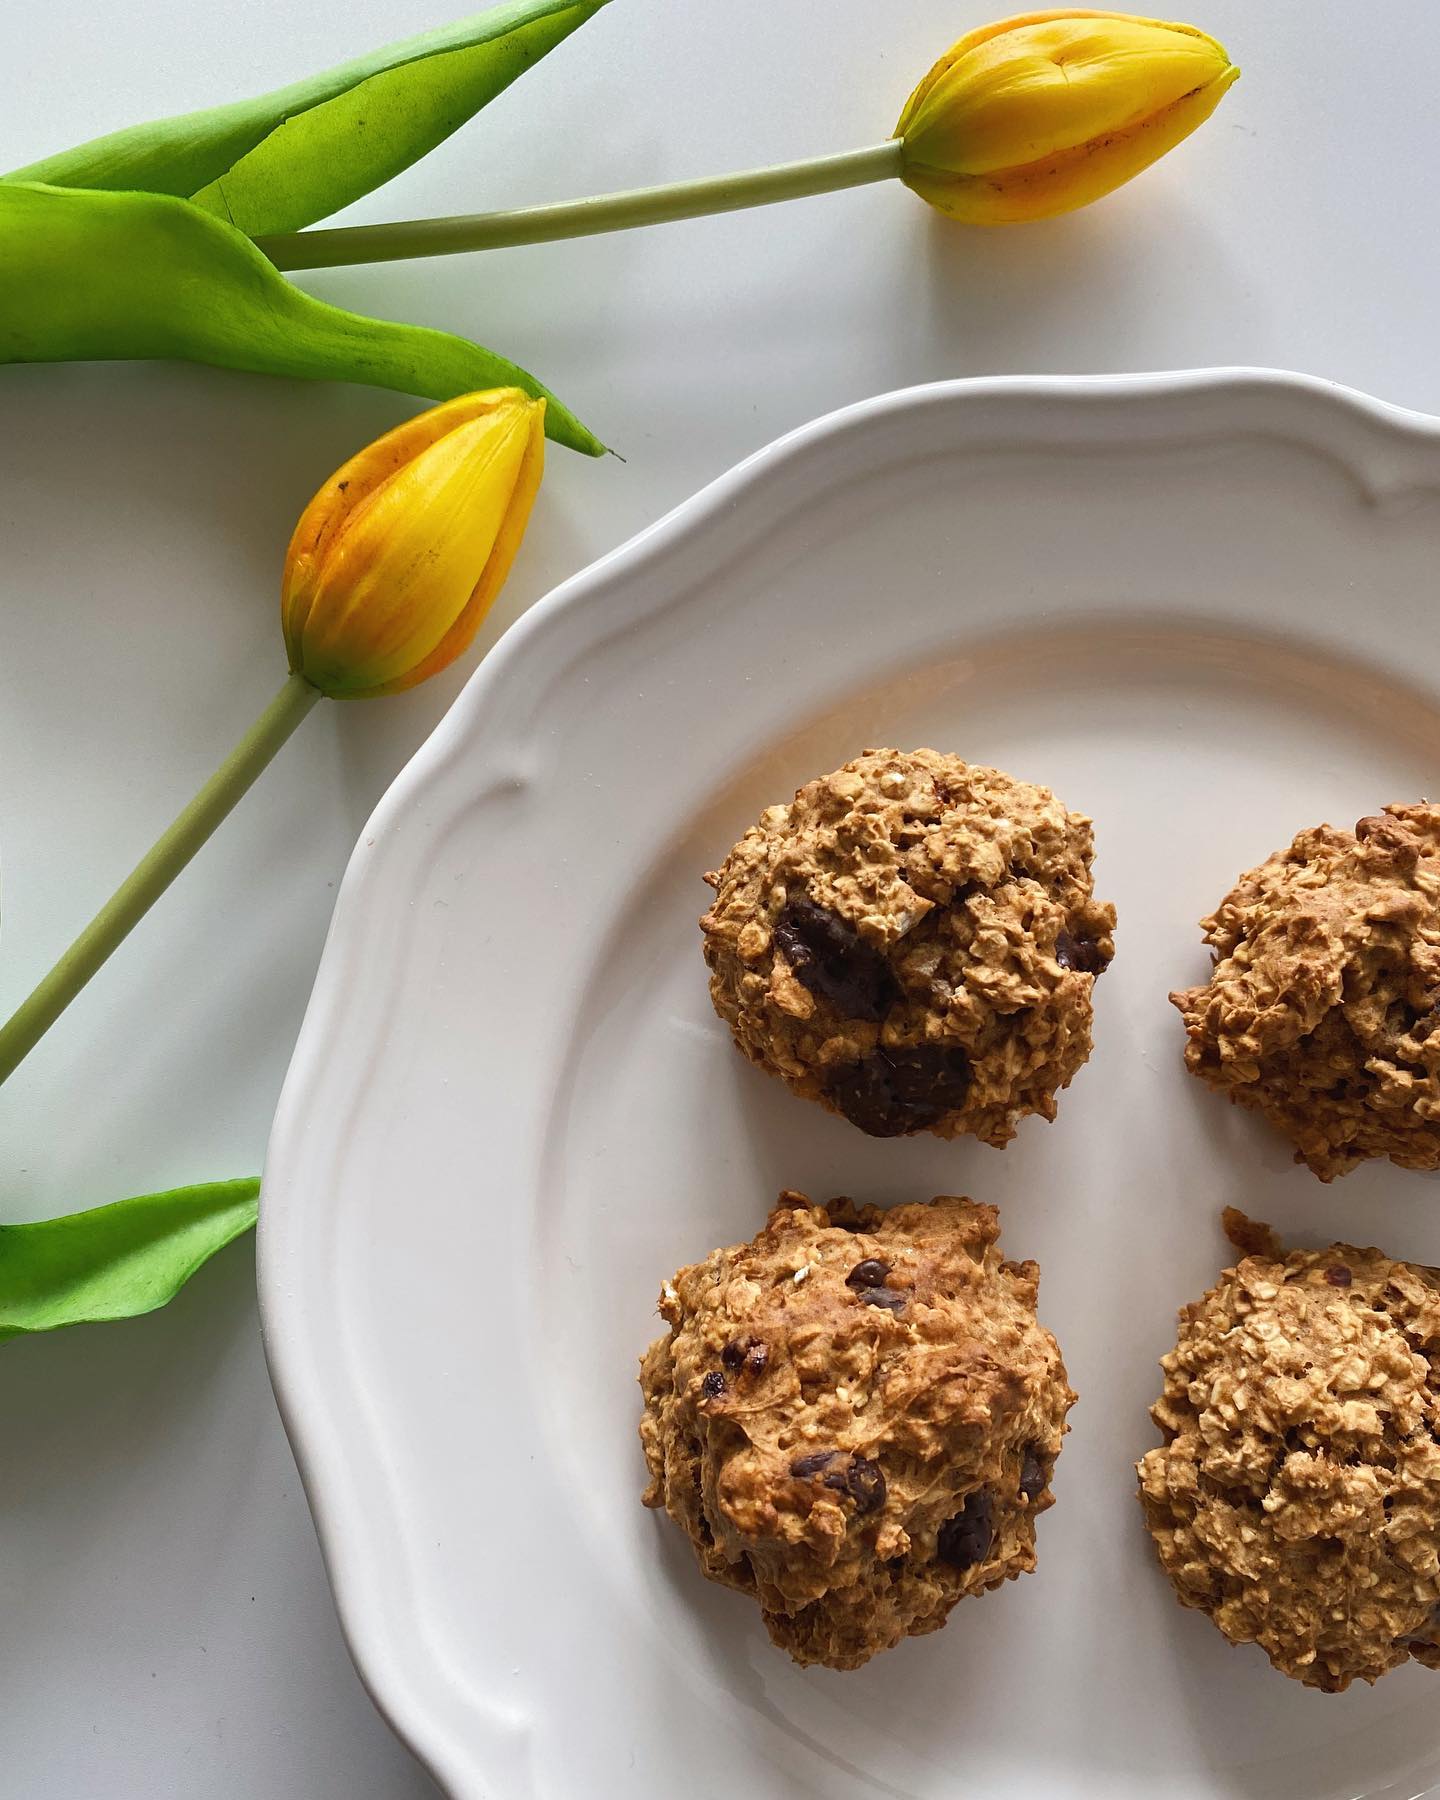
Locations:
column 1019, row 21
column 1069, row 179
column 1042, row 113
column 517, row 516
column 357, row 479
column 1050, row 88
column 394, row 584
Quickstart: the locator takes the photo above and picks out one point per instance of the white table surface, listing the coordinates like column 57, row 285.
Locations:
column 166, row 1624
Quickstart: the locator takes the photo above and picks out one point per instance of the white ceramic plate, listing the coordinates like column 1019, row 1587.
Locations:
column 1204, row 609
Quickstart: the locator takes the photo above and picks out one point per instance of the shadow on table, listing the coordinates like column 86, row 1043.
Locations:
column 168, row 1626
column 1048, row 297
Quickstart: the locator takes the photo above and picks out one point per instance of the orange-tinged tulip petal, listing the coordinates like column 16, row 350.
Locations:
column 397, row 559
column 1045, row 112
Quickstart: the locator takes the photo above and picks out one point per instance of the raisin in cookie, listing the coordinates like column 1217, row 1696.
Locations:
column 854, row 1418
column 1296, row 1498
column 1322, row 1009
column 913, row 942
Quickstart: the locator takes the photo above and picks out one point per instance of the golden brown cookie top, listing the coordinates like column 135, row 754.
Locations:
column 913, row 941
column 1322, row 1008
column 851, row 1317
column 1297, row 1495
column 893, row 833
column 831, row 1399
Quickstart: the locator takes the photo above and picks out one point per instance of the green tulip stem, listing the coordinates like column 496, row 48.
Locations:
column 154, row 873
column 342, row 245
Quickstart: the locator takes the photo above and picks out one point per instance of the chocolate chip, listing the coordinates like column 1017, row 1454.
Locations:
column 966, row 1539
column 1339, row 1276
column 831, row 959
column 713, row 1386
column 1081, row 954
column 865, row 1482
column 886, row 1297
column 868, row 1274
column 745, row 1355
column 1032, row 1473
column 812, row 1464
column 896, row 1091
column 858, row 1478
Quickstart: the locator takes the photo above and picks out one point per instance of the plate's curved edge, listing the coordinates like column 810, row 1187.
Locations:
column 389, row 1664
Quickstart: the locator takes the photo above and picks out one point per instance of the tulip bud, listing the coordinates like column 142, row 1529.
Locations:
column 1043, row 113
column 397, row 559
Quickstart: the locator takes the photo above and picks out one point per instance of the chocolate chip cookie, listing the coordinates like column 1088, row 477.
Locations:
column 1322, row 1010
column 913, row 942
column 1296, row 1498
column 854, row 1418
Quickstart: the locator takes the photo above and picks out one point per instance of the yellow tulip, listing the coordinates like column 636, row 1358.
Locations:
column 397, row 559
column 391, row 569
column 1048, row 111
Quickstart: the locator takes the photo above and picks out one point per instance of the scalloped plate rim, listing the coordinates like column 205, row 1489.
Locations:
column 406, row 1693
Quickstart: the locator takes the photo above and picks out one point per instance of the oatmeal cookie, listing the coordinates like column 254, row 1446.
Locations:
column 1322, row 1009
column 854, row 1418
column 913, row 942
column 1296, row 1498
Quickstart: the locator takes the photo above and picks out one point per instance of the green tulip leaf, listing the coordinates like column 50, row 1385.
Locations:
column 94, row 275
column 118, row 1261
column 296, row 155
